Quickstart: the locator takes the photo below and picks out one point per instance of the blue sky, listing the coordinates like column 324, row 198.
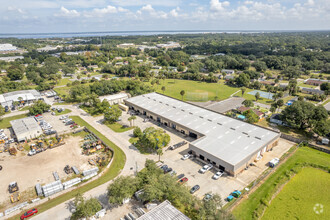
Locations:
column 39, row 16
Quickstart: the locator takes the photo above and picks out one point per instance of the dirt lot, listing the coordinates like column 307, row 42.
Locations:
column 27, row 171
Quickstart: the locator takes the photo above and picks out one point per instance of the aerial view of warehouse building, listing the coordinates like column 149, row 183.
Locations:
column 229, row 144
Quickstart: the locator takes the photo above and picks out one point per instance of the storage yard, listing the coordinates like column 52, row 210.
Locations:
column 28, row 171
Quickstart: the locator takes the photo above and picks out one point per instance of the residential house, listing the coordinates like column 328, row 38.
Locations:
column 311, row 91
column 276, row 119
column 228, row 72
column 242, row 109
column 315, row 82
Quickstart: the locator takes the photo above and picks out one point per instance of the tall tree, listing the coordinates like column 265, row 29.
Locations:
column 257, row 95
column 243, row 89
column 163, row 89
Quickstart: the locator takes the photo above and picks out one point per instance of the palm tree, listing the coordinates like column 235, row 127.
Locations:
column 257, row 95
column 182, row 93
column 163, row 89
column 159, row 153
column 243, row 89
column 131, row 120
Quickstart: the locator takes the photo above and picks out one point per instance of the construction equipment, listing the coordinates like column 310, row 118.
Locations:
column 13, row 151
column 40, row 143
column 67, row 169
column 99, row 160
column 15, row 197
column 92, row 162
column 13, row 187
column 2, row 141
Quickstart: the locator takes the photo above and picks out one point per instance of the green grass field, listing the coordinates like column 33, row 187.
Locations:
column 63, row 82
column 116, row 127
column 194, row 89
column 247, row 208
column 5, row 122
column 117, row 165
column 66, row 111
column 298, row 197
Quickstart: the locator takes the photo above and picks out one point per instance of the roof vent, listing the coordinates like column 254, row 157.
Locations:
column 190, row 113
column 258, row 138
column 219, row 123
column 173, row 106
column 167, row 104
column 201, row 116
column 245, row 133
column 209, row 120
column 233, row 129
column 182, row 110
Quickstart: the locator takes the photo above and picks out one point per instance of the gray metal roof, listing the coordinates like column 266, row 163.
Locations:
column 164, row 211
column 228, row 139
column 26, row 95
column 25, row 125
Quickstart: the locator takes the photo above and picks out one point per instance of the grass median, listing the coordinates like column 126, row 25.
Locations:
column 119, row 159
column 5, row 122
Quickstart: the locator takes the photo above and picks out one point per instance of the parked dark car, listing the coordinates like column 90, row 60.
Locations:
column 194, row 189
column 180, row 176
column 168, row 170
column 164, row 167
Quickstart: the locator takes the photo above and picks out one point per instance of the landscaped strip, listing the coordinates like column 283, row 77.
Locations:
column 5, row 122
column 119, row 159
column 254, row 206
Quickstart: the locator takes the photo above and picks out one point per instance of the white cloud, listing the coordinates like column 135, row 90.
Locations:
column 67, row 13
column 248, row 2
column 175, row 12
column 14, row 9
column 147, row 8
column 107, row 10
column 120, row 9
column 216, row 5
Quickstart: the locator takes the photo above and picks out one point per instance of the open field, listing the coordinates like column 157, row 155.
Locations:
column 4, row 122
column 116, row 166
column 211, row 90
column 298, row 197
column 250, row 207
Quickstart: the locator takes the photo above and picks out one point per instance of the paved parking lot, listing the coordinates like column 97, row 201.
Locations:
column 225, row 184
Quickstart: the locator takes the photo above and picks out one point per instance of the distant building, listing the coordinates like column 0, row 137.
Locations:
column 115, row 99
column 23, row 96
column 126, row 45
column 264, row 82
column 230, row 72
column 26, row 129
column 315, row 82
column 12, row 58
column 283, row 85
column 169, row 45
column 7, row 48
column 48, row 48
column 143, row 47
column 229, row 77
column 311, row 91
column 164, row 211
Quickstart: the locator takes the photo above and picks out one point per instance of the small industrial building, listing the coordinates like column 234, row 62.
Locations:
column 22, row 96
column 229, row 144
column 164, row 211
column 115, row 99
column 311, row 91
column 26, row 129
column 315, row 82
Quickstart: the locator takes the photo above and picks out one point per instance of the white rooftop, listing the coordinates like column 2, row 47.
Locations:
column 7, row 47
column 164, row 211
column 228, row 139
column 114, row 97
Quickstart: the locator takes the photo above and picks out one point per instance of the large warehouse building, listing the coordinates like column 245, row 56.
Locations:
column 26, row 129
column 25, row 96
column 229, row 144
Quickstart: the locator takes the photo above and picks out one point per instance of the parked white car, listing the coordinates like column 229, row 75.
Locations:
column 206, row 168
column 186, row 156
column 217, row 175
column 32, row 152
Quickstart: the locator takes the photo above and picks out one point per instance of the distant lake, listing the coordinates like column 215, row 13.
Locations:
column 117, row 33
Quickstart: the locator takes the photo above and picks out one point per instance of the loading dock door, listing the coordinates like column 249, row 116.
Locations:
column 193, row 135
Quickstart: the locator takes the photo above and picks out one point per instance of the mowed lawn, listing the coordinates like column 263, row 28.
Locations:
column 299, row 196
column 194, row 90
column 245, row 210
column 5, row 122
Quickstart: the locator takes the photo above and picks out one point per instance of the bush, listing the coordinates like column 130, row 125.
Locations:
column 137, row 132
